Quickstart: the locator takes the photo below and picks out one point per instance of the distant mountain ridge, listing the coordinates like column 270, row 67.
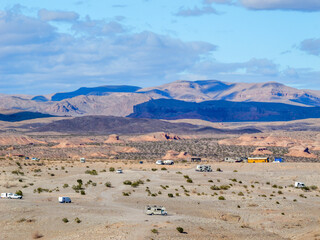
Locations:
column 21, row 116
column 97, row 91
column 222, row 111
column 120, row 100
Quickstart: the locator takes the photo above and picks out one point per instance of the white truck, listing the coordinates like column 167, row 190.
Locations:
column 156, row 210
column 64, row 200
column 168, row 162
column 11, row 196
column 203, row 168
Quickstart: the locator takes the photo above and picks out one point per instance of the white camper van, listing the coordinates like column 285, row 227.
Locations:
column 299, row 184
column 64, row 200
column 156, row 210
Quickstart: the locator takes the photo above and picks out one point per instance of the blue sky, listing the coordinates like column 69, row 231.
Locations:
column 56, row 46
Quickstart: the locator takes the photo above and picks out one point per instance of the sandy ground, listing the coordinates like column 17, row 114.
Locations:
column 254, row 208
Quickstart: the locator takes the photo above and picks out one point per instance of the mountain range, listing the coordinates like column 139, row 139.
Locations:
column 121, row 100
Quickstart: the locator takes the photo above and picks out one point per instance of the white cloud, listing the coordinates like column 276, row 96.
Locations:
column 46, row 15
column 33, row 55
column 292, row 5
column 188, row 12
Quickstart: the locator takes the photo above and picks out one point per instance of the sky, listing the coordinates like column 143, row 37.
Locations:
column 57, row 46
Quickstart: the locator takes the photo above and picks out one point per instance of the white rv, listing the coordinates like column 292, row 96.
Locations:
column 82, row 160
column 156, row 210
column 203, row 168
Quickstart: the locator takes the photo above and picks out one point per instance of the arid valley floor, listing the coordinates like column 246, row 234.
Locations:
column 242, row 201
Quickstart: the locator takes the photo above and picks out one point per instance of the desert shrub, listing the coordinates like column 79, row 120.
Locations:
column 224, row 187
column 221, row 198
column 65, row 220
column 92, row 172
column 108, row 184
column 148, row 180
column 126, row 194
column 179, row 172
column 210, row 180
column 280, row 192
column 180, row 229
column 111, row 169
column 275, row 186
column 154, row 169
column 65, row 185
column 77, row 220
column 17, row 172
column 19, row 192
column 170, row 195
column 214, row 187
column 189, row 180
column 235, row 170
column 240, row 194
column 163, row 169
column 313, row 187
column 155, row 231
column 83, row 192
column 186, row 176
column 219, row 170
column 233, row 180
column 127, row 182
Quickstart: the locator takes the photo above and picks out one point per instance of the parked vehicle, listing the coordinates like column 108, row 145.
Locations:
column 168, row 162
column 14, row 196
column 156, row 210
column 64, row 200
column 159, row 162
column 119, row 171
column 4, row 195
column 203, row 168
column 299, row 184
column 35, row 159
column 82, row 160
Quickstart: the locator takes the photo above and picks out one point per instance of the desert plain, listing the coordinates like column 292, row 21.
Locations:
column 234, row 201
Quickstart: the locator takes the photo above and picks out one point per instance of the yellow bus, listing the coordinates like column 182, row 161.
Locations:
column 258, row 159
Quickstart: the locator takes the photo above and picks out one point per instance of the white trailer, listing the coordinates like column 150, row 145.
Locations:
column 168, row 162
column 203, row 168
column 156, row 210
column 159, row 162
column 4, row 195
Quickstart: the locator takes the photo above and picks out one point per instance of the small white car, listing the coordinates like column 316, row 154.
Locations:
column 119, row 171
